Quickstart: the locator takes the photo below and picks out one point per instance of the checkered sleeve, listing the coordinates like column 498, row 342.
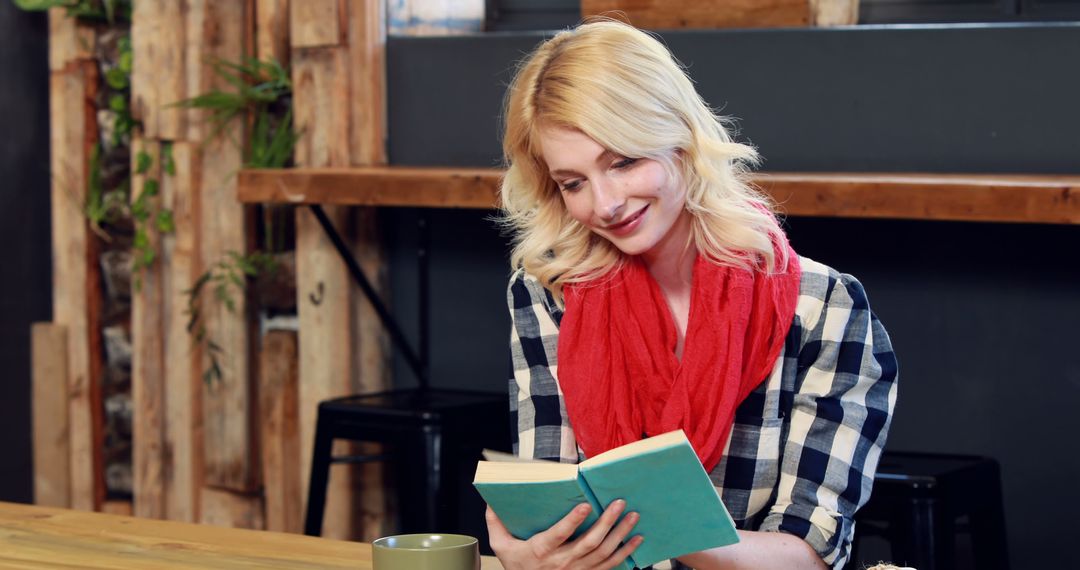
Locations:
column 537, row 408
column 843, row 401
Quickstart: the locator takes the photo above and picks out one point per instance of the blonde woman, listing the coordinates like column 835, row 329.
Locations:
column 655, row 290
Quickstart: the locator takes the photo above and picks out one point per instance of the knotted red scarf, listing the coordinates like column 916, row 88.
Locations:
column 617, row 363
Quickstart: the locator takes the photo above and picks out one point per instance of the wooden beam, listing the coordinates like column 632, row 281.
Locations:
column 272, row 31
column 183, row 357
column 677, row 14
column 280, row 435
column 216, row 30
column 318, row 23
column 69, row 40
column 50, row 415
column 148, row 355
column 76, row 283
column 324, row 289
column 1044, row 199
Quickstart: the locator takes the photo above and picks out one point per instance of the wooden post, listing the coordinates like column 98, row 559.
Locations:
column 183, row 376
column 216, row 30
column 272, row 31
column 76, row 283
column 278, row 406
column 50, row 403
column 147, row 363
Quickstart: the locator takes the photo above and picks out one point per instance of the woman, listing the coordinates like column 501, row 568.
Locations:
column 656, row 291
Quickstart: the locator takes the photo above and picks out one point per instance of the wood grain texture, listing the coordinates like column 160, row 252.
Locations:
column 69, row 40
column 834, row 13
column 50, row 415
column 1039, row 199
column 172, row 71
column 123, row 508
column 677, row 14
column 76, row 283
column 44, row 538
column 280, row 432
column 272, row 31
column 231, row 510
column 318, row 23
column 146, row 29
column 182, row 373
column 367, row 136
column 148, row 350
column 216, row 30
column 325, row 303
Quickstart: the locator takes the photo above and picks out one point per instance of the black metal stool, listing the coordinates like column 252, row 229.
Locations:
column 917, row 500
column 428, row 433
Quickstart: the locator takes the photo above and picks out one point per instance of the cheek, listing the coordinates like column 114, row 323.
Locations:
column 577, row 206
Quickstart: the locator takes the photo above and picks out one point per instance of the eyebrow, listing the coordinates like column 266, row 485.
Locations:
column 600, row 158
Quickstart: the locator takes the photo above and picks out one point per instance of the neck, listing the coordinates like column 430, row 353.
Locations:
column 671, row 262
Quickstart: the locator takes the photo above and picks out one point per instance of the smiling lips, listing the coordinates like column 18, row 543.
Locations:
column 629, row 224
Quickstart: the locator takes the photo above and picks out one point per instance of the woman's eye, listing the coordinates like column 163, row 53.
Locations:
column 570, row 186
column 623, row 163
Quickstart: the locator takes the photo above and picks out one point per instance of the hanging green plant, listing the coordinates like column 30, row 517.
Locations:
column 96, row 10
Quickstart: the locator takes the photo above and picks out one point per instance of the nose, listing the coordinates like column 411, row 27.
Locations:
column 607, row 200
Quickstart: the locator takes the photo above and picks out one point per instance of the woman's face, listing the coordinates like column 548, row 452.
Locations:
column 633, row 203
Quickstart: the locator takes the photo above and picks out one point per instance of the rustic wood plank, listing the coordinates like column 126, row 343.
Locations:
column 45, row 538
column 216, row 30
column 834, row 12
column 324, row 290
column 677, row 14
column 171, row 72
column 50, row 415
column 76, row 286
column 367, row 134
column 148, row 355
column 146, row 29
column 231, row 510
column 280, row 435
column 69, row 40
column 272, row 31
column 367, row 90
column 317, row 23
column 182, row 375
column 1047, row 199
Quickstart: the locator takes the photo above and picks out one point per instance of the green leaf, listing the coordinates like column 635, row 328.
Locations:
column 118, row 103
column 125, row 62
column 148, row 256
column 142, row 240
column 164, row 222
column 40, row 5
column 150, row 187
column 124, row 43
column 143, row 161
column 167, row 161
column 116, row 78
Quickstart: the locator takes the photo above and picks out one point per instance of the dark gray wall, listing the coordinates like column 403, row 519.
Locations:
column 982, row 315
column 25, row 288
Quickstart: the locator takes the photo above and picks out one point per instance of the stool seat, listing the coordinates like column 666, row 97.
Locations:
column 917, row 499
column 428, row 434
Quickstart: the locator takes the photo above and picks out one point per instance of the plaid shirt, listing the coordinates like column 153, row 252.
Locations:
column 805, row 444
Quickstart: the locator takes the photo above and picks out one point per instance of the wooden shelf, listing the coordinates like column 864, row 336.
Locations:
column 986, row 198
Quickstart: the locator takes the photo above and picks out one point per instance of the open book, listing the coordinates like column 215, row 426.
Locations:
column 660, row 477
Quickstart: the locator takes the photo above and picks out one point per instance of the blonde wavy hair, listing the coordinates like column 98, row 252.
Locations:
column 622, row 88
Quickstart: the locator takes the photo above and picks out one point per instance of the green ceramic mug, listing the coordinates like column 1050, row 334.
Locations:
column 426, row 552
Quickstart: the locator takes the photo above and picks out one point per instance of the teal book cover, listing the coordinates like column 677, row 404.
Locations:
column 659, row 477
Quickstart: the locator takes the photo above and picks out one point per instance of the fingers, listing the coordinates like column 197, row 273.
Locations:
column 591, row 540
column 498, row 535
column 617, row 535
column 625, row 550
column 552, row 538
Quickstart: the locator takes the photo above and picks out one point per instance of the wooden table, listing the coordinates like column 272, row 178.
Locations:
column 34, row 537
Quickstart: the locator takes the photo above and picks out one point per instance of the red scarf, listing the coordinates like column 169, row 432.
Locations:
column 617, row 363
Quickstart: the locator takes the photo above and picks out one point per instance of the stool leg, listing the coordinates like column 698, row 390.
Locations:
column 432, row 449
column 320, row 474
column 925, row 539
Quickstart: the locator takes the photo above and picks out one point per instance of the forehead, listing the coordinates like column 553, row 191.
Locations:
column 565, row 147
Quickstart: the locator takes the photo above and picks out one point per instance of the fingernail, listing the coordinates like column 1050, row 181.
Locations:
column 583, row 508
column 633, row 517
column 639, row 539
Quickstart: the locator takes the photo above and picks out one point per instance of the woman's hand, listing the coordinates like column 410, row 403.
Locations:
column 597, row 549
